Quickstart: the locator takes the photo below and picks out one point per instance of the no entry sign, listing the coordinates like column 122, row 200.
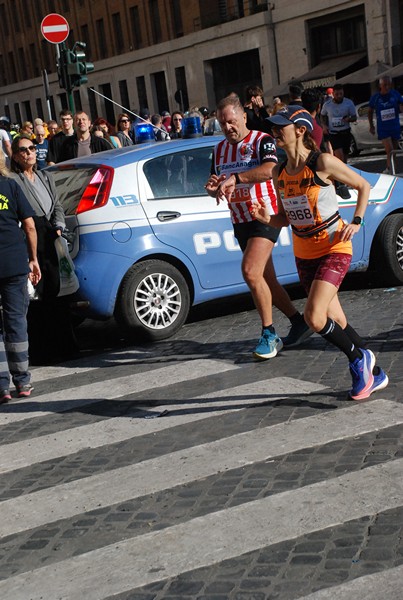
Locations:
column 55, row 28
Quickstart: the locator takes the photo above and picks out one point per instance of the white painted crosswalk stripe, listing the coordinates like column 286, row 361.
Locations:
column 23, row 454
column 109, row 570
column 84, row 395
column 178, row 468
column 220, row 535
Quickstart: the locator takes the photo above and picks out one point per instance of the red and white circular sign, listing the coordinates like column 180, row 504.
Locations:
column 55, row 28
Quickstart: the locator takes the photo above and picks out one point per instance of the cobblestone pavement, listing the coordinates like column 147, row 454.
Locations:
column 185, row 470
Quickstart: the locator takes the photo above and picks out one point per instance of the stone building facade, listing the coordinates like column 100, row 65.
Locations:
column 167, row 54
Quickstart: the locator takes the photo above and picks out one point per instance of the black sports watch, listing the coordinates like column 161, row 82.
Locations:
column 357, row 221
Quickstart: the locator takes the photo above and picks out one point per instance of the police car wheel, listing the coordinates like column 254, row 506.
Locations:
column 387, row 252
column 153, row 301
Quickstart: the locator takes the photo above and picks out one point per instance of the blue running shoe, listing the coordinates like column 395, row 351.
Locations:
column 361, row 372
column 381, row 380
column 268, row 346
column 298, row 333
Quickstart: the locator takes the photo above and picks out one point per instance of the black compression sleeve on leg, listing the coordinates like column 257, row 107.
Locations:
column 354, row 337
column 333, row 333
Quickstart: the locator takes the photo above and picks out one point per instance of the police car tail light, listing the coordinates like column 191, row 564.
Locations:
column 96, row 194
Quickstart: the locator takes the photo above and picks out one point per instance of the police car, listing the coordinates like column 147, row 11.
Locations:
column 149, row 242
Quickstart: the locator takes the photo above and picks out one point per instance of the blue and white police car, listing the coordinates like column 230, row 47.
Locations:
column 150, row 243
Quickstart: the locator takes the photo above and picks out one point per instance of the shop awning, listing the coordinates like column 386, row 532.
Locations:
column 396, row 71
column 365, row 75
column 326, row 72
column 322, row 75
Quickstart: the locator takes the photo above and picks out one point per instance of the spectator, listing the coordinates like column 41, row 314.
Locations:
column 109, row 132
column 28, row 129
column 67, row 130
column 256, row 113
column 53, row 129
column 123, row 126
column 99, row 132
column 386, row 104
column 161, row 135
column 278, row 107
column 311, row 102
column 295, row 90
column 82, row 142
column 49, row 324
column 18, row 262
column 5, row 139
column 336, row 116
column 211, row 125
column 176, row 121
column 41, row 147
column 166, row 120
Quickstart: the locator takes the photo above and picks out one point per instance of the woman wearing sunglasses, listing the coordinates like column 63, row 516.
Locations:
column 50, row 317
column 123, row 126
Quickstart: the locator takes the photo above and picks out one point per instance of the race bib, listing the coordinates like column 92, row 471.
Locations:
column 337, row 122
column 387, row 114
column 298, row 211
column 241, row 194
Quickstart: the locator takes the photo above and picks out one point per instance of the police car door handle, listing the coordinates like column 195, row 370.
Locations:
column 167, row 215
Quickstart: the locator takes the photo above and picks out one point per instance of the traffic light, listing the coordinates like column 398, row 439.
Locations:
column 77, row 67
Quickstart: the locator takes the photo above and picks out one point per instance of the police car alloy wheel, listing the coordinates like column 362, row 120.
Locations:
column 387, row 251
column 153, row 300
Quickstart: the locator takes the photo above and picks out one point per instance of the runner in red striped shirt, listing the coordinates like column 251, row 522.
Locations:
column 242, row 174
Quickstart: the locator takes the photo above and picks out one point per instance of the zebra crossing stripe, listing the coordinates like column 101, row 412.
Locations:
column 178, row 468
column 110, row 389
column 109, row 431
column 386, row 584
column 212, row 538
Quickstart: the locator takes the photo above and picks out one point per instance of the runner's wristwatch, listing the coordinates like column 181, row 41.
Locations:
column 358, row 221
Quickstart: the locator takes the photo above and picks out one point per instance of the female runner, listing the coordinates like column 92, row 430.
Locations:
column 322, row 240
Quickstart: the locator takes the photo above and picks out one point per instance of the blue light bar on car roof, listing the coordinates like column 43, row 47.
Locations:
column 144, row 132
column 191, row 127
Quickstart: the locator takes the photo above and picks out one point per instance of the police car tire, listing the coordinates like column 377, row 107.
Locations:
column 135, row 318
column 388, row 251
column 354, row 151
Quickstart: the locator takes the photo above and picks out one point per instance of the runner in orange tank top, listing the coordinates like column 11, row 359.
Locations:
column 322, row 241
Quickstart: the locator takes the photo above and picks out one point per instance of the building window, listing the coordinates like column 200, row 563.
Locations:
column 39, row 109
column 155, row 21
column 4, row 21
column 117, row 28
column 109, row 110
column 34, row 62
column 3, row 74
column 23, row 64
column 337, row 34
column 17, row 113
column 161, row 90
column 85, row 37
column 181, row 94
column 141, row 92
column 11, row 66
column 92, row 103
column 124, row 94
column 136, row 38
column 45, row 55
column 176, row 18
column 63, row 100
column 27, row 110
column 27, row 14
column 77, row 100
column 101, row 38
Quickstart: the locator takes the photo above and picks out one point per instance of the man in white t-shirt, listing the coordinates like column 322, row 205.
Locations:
column 5, row 139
